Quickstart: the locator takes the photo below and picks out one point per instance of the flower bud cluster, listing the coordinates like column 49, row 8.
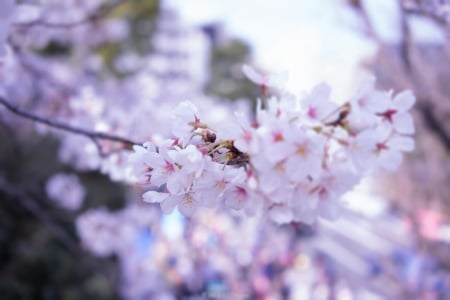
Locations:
column 292, row 164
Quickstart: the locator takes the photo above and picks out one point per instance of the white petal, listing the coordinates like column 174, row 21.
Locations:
column 390, row 160
column 169, row 204
column 402, row 143
column 362, row 160
column 277, row 151
column 403, row 123
column 270, row 181
column 27, row 13
column 281, row 214
column 404, row 101
column 329, row 210
column 252, row 74
column 236, row 198
column 154, row 197
column 296, row 169
column 378, row 101
column 209, row 197
column 188, row 205
column 179, row 182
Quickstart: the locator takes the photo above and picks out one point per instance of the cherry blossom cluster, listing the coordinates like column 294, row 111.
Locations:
column 298, row 156
column 292, row 163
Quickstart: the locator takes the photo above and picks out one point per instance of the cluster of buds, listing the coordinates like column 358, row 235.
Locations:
column 293, row 163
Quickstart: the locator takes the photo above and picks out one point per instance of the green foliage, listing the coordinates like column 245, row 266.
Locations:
column 226, row 79
column 141, row 17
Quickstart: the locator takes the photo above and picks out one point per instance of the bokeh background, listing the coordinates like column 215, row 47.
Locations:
column 70, row 230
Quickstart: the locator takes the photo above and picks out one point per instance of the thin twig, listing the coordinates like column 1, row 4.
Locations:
column 370, row 30
column 59, row 125
column 406, row 42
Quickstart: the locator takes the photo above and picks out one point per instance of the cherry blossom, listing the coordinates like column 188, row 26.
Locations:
column 317, row 104
column 290, row 160
column 396, row 113
column 293, row 164
column 390, row 147
column 366, row 102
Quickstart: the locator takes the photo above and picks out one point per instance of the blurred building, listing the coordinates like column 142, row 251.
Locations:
column 180, row 57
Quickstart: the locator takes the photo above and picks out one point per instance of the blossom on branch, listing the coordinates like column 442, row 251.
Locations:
column 302, row 155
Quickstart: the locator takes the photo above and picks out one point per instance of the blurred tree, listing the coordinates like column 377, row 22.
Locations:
column 141, row 16
column 226, row 79
column 40, row 254
column 420, row 61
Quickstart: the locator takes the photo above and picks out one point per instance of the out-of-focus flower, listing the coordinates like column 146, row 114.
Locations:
column 96, row 229
column 265, row 80
column 26, row 13
column 66, row 190
column 7, row 8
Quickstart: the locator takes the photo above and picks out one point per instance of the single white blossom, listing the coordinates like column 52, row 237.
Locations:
column 66, row 190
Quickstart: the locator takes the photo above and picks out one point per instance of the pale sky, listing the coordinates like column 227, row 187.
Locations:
column 313, row 40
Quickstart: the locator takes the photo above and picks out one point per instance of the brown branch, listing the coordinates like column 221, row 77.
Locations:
column 370, row 30
column 66, row 127
column 406, row 42
column 433, row 123
column 433, row 17
column 88, row 19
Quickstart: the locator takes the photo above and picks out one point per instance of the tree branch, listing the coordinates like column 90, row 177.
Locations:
column 434, row 124
column 370, row 30
column 439, row 20
column 66, row 127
